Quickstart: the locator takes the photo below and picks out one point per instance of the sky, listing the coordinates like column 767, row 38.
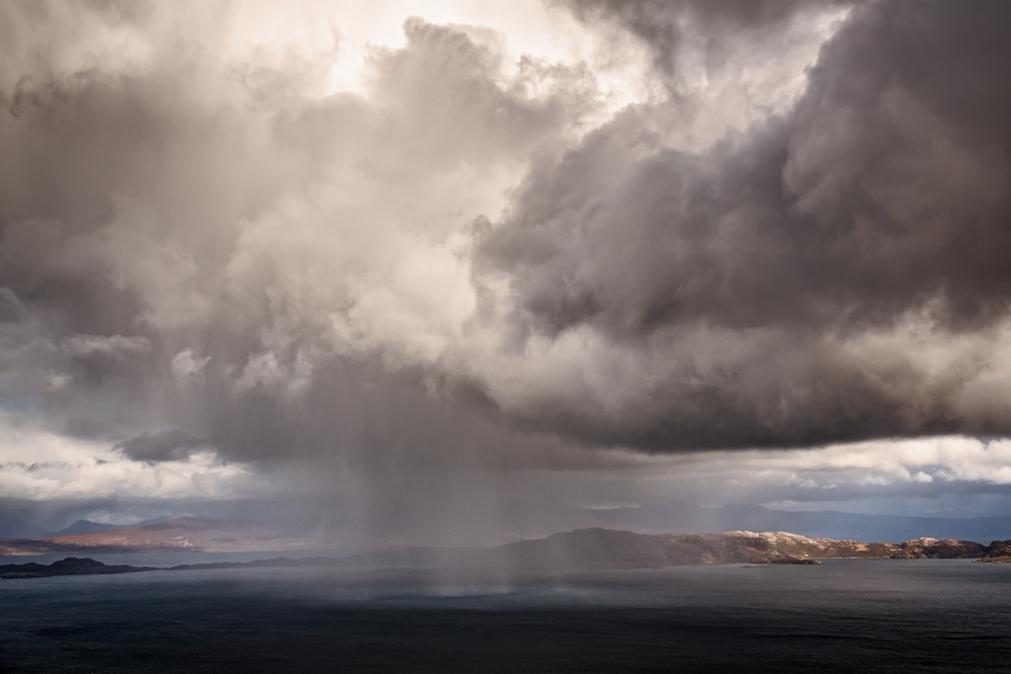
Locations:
column 452, row 271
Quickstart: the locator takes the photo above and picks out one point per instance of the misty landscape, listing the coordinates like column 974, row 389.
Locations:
column 515, row 336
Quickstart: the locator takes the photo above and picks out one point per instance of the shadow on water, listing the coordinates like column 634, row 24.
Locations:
column 842, row 616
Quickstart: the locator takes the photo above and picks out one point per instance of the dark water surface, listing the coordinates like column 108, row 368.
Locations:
column 843, row 616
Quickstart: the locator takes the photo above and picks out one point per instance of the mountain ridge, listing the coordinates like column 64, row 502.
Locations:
column 207, row 534
column 589, row 549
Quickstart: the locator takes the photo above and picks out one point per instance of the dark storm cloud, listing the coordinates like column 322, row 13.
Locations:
column 168, row 445
column 11, row 309
column 757, row 278
column 882, row 190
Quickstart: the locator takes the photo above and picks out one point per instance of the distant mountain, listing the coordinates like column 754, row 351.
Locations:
column 215, row 535
column 867, row 527
column 583, row 549
column 611, row 549
column 71, row 566
column 180, row 533
column 691, row 518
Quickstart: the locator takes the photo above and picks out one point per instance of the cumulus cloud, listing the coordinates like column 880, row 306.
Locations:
column 833, row 273
column 245, row 226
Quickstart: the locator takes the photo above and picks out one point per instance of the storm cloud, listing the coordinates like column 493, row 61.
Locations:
column 185, row 235
column 836, row 272
column 168, row 445
column 474, row 263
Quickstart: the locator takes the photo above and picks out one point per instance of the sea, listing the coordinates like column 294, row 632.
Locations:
column 841, row 616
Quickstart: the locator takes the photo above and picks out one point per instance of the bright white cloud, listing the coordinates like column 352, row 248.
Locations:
column 41, row 465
